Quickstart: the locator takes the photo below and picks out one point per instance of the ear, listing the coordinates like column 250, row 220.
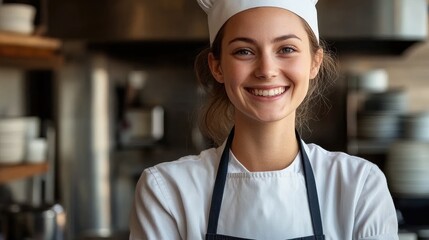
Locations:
column 316, row 63
column 215, row 68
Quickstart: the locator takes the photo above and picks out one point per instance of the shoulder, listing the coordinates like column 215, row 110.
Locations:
column 189, row 165
column 170, row 193
column 191, row 170
column 346, row 180
column 339, row 162
column 343, row 172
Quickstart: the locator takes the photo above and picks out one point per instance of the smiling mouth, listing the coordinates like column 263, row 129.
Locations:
column 267, row 92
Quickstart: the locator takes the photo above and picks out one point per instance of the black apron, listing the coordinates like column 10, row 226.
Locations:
column 220, row 186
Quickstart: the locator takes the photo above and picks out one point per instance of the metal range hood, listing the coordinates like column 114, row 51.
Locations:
column 352, row 24
column 376, row 19
column 373, row 26
column 127, row 20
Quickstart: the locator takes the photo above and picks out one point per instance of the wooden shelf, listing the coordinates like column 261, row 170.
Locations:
column 15, row 39
column 29, row 52
column 19, row 171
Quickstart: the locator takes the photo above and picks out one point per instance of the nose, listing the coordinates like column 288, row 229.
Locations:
column 266, row 67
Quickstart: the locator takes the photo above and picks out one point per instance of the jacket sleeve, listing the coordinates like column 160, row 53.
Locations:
column 151, row 217
column 375, row 217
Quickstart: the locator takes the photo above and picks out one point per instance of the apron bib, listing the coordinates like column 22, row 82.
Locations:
column 219, row 187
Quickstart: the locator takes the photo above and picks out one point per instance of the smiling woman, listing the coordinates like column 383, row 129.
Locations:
column 263, row 56
column 262, row 181
column 218, row 105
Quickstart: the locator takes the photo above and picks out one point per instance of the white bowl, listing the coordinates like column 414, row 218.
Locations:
column 16, row 17
column 12, row 132
column 11, row 124
column 374, row 80
column 16, row 27
column 18, row 10
column 12, row 155
column 15, row 134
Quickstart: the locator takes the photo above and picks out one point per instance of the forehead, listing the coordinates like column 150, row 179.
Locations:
column 265, row 21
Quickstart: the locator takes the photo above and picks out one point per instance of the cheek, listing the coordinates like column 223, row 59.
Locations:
column 299, row 71
column 299, row 74
column 234, row 74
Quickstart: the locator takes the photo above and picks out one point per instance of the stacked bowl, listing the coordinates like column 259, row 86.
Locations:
column 16, row 138
column 17, row 17
column 12, row 140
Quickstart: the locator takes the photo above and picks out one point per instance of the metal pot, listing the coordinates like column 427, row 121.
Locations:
column 20, row 221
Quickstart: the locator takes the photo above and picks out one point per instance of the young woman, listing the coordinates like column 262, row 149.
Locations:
column 263, row 182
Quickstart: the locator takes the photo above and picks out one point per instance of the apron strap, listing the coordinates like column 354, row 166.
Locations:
column 310, row 182
column 219, row 187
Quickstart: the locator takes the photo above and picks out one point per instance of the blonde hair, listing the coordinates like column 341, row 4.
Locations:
column 216, row 116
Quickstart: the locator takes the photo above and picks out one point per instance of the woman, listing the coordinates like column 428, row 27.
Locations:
column 263, row 182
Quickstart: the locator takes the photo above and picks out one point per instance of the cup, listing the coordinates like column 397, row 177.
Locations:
column 36, row 150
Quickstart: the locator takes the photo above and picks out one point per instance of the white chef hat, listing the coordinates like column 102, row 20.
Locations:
column 219, row 11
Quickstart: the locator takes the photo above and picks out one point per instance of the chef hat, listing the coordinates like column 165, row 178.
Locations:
column 219, row 11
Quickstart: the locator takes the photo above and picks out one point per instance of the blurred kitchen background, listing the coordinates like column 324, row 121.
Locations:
column 93, row 92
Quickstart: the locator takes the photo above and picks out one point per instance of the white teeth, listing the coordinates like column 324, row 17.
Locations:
column 268, row 93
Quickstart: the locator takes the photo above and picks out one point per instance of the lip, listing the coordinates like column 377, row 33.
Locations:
column 267, row 92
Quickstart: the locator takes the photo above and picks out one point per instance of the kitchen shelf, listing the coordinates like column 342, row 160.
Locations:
column 29, row 52
column 17, row 171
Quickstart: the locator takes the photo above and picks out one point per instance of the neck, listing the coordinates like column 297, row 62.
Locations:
column 265, row 147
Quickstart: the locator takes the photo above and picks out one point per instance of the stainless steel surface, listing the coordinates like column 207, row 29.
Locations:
column 97, row 176
column 99, row 192
column 110, row 20
column 131, row 20
column 374, row 19
column 84, row 144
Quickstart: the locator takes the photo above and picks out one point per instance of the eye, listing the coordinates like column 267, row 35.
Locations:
column 243, row 52
column 286, row 50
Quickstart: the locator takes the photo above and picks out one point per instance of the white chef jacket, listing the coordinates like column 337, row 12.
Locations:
column 172, row 199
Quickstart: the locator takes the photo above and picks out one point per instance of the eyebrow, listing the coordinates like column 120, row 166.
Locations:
column 275, row 40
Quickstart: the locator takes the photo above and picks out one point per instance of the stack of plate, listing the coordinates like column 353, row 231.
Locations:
column 380, row 116
column 416, row 126
column 17, row 17
column 378, row 125
column 392, row 101
column 16, row 138
column 12, row 140
column 407, row 168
